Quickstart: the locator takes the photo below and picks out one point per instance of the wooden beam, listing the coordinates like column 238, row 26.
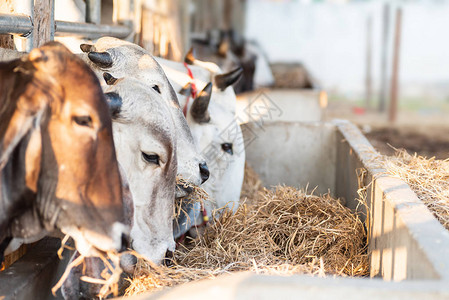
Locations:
column 384, row 67
column 369, row 50
column 44, row 22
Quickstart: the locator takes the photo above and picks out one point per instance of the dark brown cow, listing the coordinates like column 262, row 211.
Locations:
column 58, row 167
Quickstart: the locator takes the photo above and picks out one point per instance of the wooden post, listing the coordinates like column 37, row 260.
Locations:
column 227, row 15
column 122, row 14
column 93, row 11
column 184, row 6
column 384, row 72
column 238, row 17
column 368, row 77
column 392, row 115
column 44, row 22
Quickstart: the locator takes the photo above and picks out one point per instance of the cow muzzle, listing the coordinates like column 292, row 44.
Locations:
column 89, row 242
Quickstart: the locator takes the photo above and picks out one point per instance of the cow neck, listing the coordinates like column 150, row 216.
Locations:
column 193, row 90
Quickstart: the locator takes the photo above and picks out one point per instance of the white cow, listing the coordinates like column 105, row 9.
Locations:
column 125, row 59
column 214, row 128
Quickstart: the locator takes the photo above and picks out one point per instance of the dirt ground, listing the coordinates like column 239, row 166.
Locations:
column 425, row 134
column 426, row 144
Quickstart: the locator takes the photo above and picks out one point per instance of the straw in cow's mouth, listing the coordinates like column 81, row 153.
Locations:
column 111, row 274
column 198, row 194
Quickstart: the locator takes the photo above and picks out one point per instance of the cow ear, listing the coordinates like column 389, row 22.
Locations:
column 101, row 59
column 110, row 80
column 20, row 123
column 86, row 48
column 115, row 104
column 222, row 81
column 186, row 90
column 199, row 107
column 190, row 57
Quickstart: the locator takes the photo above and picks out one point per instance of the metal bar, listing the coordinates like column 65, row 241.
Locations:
column 26, row 8
column 91, row 30
column 15, row 24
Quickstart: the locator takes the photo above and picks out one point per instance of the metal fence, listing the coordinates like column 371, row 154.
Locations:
column 39, row 25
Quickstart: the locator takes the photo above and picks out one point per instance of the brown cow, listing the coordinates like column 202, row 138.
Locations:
column 58, row 168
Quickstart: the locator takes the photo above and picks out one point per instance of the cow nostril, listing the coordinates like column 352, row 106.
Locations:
column 168, row 260
column 125, row 242
column 204, row 171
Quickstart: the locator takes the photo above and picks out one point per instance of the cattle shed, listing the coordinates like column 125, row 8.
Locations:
column 165, row 28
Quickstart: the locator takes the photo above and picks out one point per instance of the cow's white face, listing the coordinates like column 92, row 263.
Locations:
column 131, row 61
column 222, row 144
column 220, row 138
column 145, row 141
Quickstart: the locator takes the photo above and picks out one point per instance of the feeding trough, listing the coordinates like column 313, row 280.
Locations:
column 406, row 243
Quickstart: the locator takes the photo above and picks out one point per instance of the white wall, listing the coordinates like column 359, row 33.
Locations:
column 330, row 39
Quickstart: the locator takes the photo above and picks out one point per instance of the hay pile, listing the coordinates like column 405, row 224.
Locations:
column 283, row 231
column 291, row 76
column 251, row 186
column 428, row 178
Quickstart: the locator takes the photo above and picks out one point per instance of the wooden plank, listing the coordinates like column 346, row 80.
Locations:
column 44, row 29
column 15, row 256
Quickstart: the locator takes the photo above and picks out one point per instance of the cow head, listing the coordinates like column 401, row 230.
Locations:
column 211, row 118
column 215, row 128
column 124, row 59
column 145, row 139
column 56, row 139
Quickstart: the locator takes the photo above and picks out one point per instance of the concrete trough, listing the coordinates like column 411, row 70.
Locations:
column 408, row 248
column 290, row 105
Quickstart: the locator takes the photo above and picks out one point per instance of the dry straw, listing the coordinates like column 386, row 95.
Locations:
column 282, row 231
column 198, row 194
column 427, row 177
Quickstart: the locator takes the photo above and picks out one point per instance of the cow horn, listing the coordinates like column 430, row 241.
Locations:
column 186, row 90
column 86, row 48
column 102, row 59
column 222, row 81
column 110, row 80
column 189, row 58
column 115, row 104
column 199, row 107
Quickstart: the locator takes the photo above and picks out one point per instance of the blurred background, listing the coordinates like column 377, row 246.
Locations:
column 381, row 64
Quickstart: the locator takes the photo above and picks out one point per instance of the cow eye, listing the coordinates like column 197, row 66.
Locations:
column 156, row 88
column 83, row 120
column 151, row 158
column 227, row 147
